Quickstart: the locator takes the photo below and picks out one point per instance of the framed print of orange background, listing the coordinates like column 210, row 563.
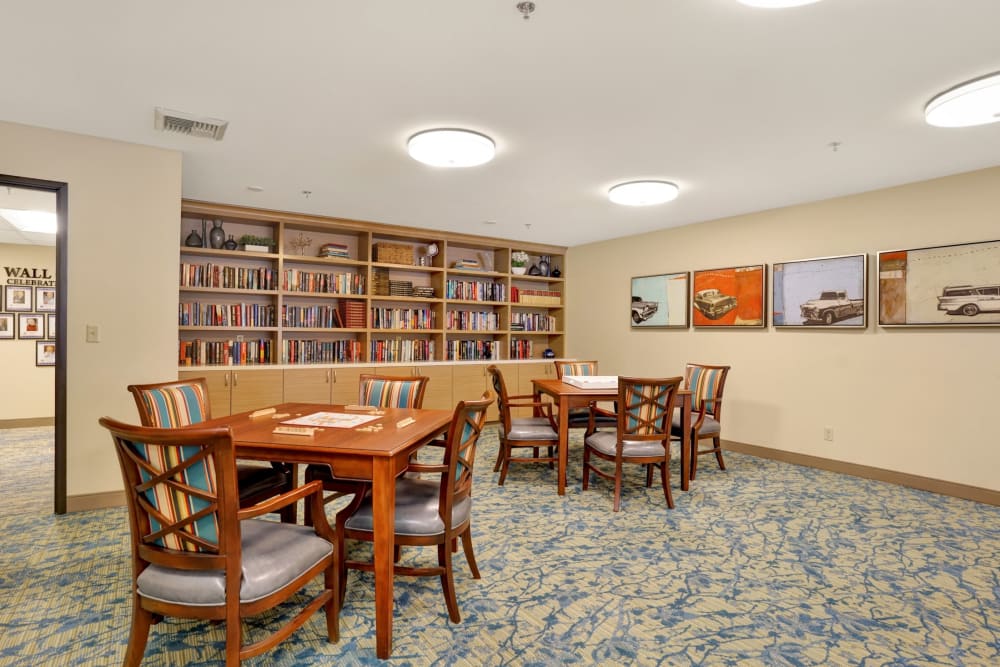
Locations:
column 730, row 297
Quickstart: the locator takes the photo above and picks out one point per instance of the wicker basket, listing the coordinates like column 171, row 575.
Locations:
column 394, row 253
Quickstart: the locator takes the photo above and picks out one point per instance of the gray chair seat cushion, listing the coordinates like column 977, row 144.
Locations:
column 606, row 442
column 417, row 503
column 531, row 428
column 256, row 478
column 274, row 554
column 708, row 427
column 580, row 417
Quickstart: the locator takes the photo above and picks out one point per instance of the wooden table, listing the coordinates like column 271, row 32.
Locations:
column 567, row 396
column 380, row 456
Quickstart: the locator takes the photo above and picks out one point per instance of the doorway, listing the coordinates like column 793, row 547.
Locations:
column 29, row 194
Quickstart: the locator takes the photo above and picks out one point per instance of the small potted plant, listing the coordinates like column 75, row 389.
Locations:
column 253, row 243
column 518, row 262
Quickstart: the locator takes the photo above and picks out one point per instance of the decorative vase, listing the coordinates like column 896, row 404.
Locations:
column 543, row 265
column 534, row 271
column 231, row 243
column 217, row 237
column 556, row 273
column 518, row 270
column 193, row 240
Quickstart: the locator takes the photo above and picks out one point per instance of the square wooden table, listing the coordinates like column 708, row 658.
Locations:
column 567, row 396
column 380, row 456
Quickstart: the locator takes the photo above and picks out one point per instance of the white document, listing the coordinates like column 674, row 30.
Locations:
column 331, row 419
column 592, row 381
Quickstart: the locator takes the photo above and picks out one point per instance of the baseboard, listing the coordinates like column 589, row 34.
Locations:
column 27, row 423
column 95, row 501
column 964, row 491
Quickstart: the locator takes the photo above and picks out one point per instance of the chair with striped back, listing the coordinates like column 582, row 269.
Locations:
column 580, row 417
column 641, row 435
column 381, row 391
column 706, row 383
column 536, row 433
column 195, row 554
column 435, row 511
column 185, row 402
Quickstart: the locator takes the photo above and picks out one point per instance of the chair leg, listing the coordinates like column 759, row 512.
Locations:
column 234, row 635
column 500, row 455
column 665, row 479
column 717, row 441
column 694, row 457
column 331, row 581
column 618, row 485
column 585, row 482
column 469, row 555
column 448, row 583
column 139, row 635
column 649, row 475
column 505, row 465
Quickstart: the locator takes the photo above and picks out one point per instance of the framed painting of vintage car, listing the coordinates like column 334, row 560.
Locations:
column 660, row 301
column 826, row 292
column 730, row 297
column 941, row 286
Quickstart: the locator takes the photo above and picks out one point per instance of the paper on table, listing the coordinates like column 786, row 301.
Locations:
column 592, row 381
column 331, row 419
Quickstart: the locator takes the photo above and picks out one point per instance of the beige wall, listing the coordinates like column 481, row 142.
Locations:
column 29, row 390
column 124, row 204
column 918, row 401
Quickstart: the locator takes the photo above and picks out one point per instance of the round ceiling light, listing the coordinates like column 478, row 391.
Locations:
column 975, row 102
column 776, row 4
column 643, row 193
column 451, row 148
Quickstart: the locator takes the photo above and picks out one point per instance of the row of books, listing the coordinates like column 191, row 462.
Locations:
column 535, row 297
column 399, row 349
column 467, row 320
column 520, row 349
column 320, row 351
column 224, row 353
column 319, row 282
column 334, row 250
column 470, row 350
column 475, row 290
column 327, row 317
column 228, row 277
column 225, row 315
column 402, row 318
column 352, row 313
column 532, row 322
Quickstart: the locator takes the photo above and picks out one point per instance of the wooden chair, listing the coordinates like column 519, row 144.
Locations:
column 706, row 383
column 195, row 554
column 429, row 512
column 580, row 417
column 641, row 436
column 520, row 432
column 185, row 402
column 382, row 391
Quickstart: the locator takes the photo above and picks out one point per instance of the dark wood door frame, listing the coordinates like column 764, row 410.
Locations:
column 61, row 191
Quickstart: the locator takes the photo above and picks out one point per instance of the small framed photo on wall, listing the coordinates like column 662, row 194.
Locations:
column 45, row 299
column 729, row 297
column 18, row 298
column 45, row 353
column 6, row 325
column 50, row 326
column 30, row 325
column 660, row 301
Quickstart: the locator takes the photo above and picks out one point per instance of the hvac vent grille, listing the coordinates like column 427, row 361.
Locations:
column 185, row 123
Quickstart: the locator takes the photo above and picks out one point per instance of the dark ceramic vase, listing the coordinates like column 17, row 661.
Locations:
column 217, row 237
column 193, row 240
column 231, row 243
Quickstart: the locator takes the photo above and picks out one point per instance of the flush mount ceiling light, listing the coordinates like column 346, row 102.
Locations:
column 41, row 222
column 975, row 102
column 776, row 4
column 451, row 148
column 643, row 193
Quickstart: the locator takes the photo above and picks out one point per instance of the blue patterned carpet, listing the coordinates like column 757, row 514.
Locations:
column 764, row 564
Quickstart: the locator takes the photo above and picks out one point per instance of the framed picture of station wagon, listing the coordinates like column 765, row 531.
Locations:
column 660, row 301
column 826, row 292
column 730, row 297
column 953, row 285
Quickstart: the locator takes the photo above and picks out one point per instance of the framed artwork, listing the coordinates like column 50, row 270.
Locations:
column 45, row 299
column 45, row 353
column 30, row 325
column 730, row 297
column 6, row 325
column 953, row 285
column 824, row 292
column 50, row 326
column 18, row 298
column 660, row 301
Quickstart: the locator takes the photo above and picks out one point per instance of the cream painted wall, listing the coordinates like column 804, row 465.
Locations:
column 124, row 204
column 29, row 390
column 913, row 400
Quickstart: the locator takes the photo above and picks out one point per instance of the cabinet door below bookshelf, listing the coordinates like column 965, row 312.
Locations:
column 308, row 385
column 232, row 391
column 346, row 382
column 469, row 381
column 525, row 374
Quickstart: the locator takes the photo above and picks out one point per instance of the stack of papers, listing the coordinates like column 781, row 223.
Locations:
column 592, row 381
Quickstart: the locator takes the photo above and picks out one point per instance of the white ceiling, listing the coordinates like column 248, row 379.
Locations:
column 26, row 200
column 736, row 105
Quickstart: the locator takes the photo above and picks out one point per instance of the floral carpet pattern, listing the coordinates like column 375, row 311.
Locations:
column 762, row 564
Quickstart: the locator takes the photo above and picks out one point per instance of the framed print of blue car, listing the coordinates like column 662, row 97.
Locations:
column 660, row 301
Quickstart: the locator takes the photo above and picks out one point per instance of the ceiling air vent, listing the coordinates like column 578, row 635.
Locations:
column 185, row 123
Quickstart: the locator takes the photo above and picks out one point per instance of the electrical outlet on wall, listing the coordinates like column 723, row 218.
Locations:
column 828, row 433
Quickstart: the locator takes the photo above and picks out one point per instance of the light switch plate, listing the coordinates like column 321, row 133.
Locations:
column 93, row 333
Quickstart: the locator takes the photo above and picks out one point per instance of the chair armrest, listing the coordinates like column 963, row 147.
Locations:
column 594, row 411
column 312, row 491
column 416, row 466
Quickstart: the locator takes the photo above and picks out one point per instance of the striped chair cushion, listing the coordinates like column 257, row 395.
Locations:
column 573, row 368
column 644, row 409
column 704, row 386
column 389, row 393
column 173, row 407
column 172, row 502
